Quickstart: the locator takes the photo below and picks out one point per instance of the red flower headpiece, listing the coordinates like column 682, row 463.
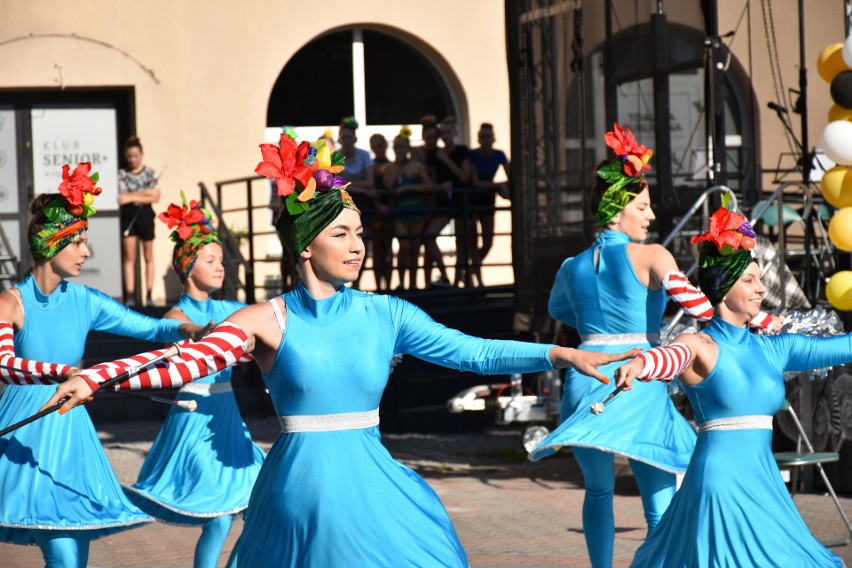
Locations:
column 634, row 155
column 79, row 189
column 729, row 231
column 189, row 218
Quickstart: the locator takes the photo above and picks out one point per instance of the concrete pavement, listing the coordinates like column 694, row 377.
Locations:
column 508, row 512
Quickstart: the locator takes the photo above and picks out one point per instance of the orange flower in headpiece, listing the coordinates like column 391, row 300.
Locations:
column 634, row 155
column 729, row 231
column 77, row 185
column 285, row 164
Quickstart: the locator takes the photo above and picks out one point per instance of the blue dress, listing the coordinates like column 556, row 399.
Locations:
column 614, row 311
column 54, row 475
column 733, row 508
column 336, row 497
column 202, row 464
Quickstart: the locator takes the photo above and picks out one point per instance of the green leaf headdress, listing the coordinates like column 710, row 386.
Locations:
column 68, row 213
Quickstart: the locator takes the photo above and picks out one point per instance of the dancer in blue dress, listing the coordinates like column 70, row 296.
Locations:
column 733, row 508
column 203, row 464
column 57, row 489
column 614, row 294
column 329, row 493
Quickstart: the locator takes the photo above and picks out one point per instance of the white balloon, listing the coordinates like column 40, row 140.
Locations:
column 836, row 141
column 847, row 51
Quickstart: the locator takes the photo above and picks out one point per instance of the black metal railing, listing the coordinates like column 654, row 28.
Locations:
column 237, row 206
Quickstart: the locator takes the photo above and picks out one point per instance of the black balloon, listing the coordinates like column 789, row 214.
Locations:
column 841, row 89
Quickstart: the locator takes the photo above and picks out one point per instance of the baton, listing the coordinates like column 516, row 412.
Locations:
column 170, row 352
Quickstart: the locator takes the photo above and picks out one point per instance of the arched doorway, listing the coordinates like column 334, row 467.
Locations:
column 383, row 77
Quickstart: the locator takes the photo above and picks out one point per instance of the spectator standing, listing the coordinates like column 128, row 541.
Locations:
column 359, row 174
column 452, row 170
column 486, row 162
column 137, row 191
column 432, row 254
column 412, row 191
column 382, row 227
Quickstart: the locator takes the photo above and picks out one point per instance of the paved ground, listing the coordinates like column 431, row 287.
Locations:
column 508, row 512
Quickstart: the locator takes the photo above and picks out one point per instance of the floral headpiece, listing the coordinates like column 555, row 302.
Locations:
column 405, row 132
column 192, row 229
column 313, row 194
column 626, row 170
column 300, row 171
column 724, row 252
column 68, row 213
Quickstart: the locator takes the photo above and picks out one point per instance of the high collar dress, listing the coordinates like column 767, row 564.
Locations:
column 329, row 493
column 733, row 509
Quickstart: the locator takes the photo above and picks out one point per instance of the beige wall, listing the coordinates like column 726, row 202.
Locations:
column 201, row 111
column 824, row 26
column 215, row 63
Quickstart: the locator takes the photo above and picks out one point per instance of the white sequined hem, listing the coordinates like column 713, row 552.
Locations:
column 76, row 527
column 235, row 511
column 668, row 469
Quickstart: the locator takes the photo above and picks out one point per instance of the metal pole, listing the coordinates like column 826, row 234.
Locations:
column 807, row 157
column 662, row 120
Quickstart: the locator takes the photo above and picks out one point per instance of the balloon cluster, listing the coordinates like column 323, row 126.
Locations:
column 835, row 67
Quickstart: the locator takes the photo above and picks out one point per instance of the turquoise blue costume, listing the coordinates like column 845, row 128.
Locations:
column 733, row 508
column 329, row 493
column 55, row 480
column 203, row 464
column 599, row 294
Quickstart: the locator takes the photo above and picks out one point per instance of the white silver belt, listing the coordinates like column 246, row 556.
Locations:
column 760, row 422
column 620, row 338
column 329, row 422
column 206, row 388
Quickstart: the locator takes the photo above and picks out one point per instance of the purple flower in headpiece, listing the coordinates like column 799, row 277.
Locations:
column 746, row 230
column 325, row 179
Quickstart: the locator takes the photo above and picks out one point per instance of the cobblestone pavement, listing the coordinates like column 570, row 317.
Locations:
column 508, row 511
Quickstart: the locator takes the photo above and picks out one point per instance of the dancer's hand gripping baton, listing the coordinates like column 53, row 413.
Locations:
column 172, row 351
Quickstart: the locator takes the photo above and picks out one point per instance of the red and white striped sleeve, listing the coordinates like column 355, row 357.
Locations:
column 225, row 346
column 17, row 371
column 761, row 321
column 688, row 296
column 665, row 363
